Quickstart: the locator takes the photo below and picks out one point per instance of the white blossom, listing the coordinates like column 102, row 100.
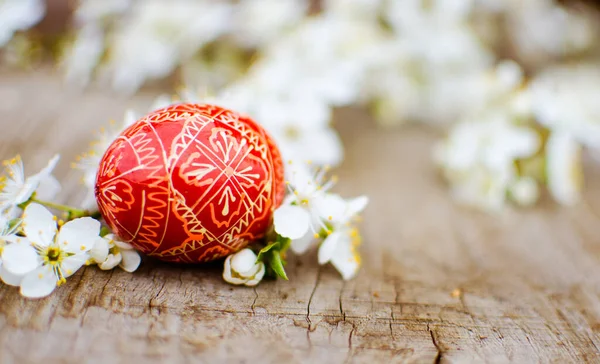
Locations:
column 47, row 256
column 565, row 100
column 300, row 217
column 8, row 236
column 242, row 268
column 354, row 9
column 564, row 168
column 94, row 11
column 432, row 53
column 542, row 29
column 340, row 246
column 109, row 252
column 478, row 159
column 300, row 126
column 83, row 55
column 15, row 189
column 415, row 15
column 158, row 36
column 334, row 68
column 257, row 22
column 16, row 15
column 525, row 191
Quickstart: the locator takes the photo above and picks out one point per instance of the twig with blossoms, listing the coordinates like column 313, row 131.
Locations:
column 39, row 251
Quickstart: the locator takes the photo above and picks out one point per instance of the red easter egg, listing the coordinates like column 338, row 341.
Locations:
column 190, row 183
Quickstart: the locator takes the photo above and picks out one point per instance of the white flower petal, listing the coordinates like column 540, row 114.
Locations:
column 13, row 212
column 3, row 222
column 525, row 191
column 111, row 261
column 345, row 261
column 258, row 276
column 131, row 260
column 300, row 246
column 227, row 274
column 46, row 171
column 564, row 168
column 34, row 183
column 79, row 235
column 39, row 283
column 243, row 262
column 329, row 246
column 331, row 207
column 20, row 259
column 357, row 205
column 71, row 264
column 16, row 239
column 38, row 224
column 25, row 192
column 291, row 221
column 10, row 278
column 120, row 244
column 48, row 188
column 100, row 250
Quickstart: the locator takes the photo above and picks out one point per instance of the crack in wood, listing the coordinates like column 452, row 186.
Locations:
column 342, row 313
column 106, row 284
column 310, row 328
column 254, row 302
column 391, row 327
column 150, row 302
column 349, row 355
column 438, row 357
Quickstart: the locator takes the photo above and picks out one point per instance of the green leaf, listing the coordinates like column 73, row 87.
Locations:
column 104, row 231
column 271, row 256
column 277, row 264
column 284, row 243
column 263, row 252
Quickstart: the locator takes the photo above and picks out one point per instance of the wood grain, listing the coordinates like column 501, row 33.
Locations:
column 439, row 283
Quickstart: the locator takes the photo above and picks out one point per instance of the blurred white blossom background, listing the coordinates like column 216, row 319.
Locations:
column 515, row 84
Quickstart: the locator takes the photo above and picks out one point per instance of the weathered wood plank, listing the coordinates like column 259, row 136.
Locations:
column 439, row 283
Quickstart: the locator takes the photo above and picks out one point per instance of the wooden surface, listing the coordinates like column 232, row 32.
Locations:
column 439, row 283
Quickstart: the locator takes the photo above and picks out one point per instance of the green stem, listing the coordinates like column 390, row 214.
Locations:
column 72, row 212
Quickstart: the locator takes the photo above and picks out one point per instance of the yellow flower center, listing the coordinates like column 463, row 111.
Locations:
column 53, row 255
column 114, row 249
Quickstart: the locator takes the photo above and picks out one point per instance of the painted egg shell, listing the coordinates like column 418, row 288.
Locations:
column 190, row 183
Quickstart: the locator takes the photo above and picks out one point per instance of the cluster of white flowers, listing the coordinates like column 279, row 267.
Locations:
column 533, row 136
column 38, row 251
column 148, row 40
column 19, row 15
column 542, row 30
column 310, row 212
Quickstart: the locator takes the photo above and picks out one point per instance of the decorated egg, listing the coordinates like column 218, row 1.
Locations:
column 190, row 183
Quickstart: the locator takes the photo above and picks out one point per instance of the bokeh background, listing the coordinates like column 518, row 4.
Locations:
column 472, row 125
column 510, row 87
